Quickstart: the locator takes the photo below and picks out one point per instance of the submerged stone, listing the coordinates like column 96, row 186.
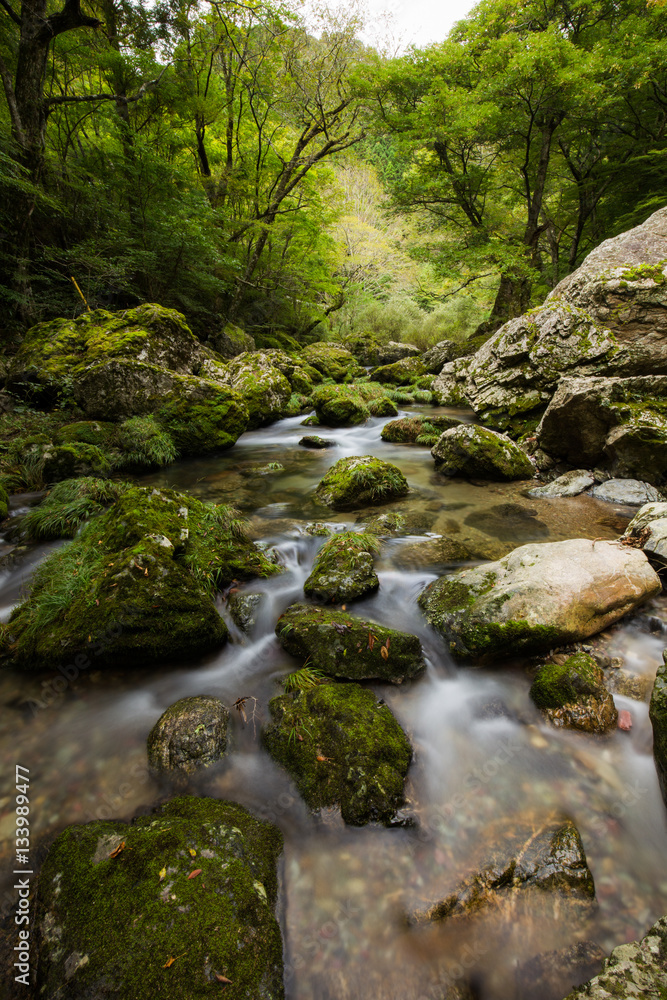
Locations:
column 573, row 694
column 189, row 735
column 342, row 748
column 550, row 973
column 343, row 569
column 442, row 551
column 524, row 859
column 345, row 646
column 470, row 450
column 118, row 915
column 361, row 481
column 537, row 597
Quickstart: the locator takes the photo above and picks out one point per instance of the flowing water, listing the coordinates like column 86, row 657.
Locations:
column 482, row 751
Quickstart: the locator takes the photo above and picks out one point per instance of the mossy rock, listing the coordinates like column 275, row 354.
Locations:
column 231, row 341
column 383, row 407
column 331, row 361
column 189, row 735
column 403, row 372
column 658, row 716
column 418, row 430
column 470, row 450
column 98, row 432
column 395, row 523
column 136, row 585
column 361, row 481
column 118, row 916
column 244, row 609
column 345, row 646
column 66, row 461
column 334, row 407
column 316, row 442
column 54, row 354
column 262, row 386
column 573, row 694
column 67, row 506
column 343, row 570
column 4, row 503
column 342, row 748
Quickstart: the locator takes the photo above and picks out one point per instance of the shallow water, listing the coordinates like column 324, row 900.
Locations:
column 482, row 751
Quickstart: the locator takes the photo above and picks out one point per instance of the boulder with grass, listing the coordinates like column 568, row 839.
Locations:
column 418, row 430
column 341, row 747
column 136, row 585
column 572, row 693
column 184, row 896
column 343, row 569
column 538, row 597
column 473, row 451
column 68, row 505
column 348, row 647
column 361, row 481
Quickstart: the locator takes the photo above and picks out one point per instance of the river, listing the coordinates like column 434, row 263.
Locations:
column 482, row 751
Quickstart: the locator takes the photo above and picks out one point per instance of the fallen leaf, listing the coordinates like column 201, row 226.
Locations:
column 624, row 720
column 168, row 964
column 222, row 979
column 371, row 641
column 343, row 607
column 194, row 874
column 116, row 852
column 192, row 851
column 163, row 874
column 384, row 652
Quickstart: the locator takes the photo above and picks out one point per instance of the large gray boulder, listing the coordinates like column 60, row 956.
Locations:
column 616, row 422
column 637, row 969
column 539, row 596
column 609, row 317
column 470, row 450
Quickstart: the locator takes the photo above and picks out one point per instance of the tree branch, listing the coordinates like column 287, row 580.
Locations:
column 67, row 19
column 12, row 13
column 119, row 98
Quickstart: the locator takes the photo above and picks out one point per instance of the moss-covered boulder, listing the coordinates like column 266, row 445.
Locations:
column 383, row 406
column 342, row 748
column 65, row 461
column 262, row 386
column 418, row 430
column 244, row 609
column 573, row 694
column 316, row 442
column 361, row 481
column 189, row 735
column 231, row 341
column 535, row 857
column 342, row 645
column 658, row 716
column 98, row 432
column 343, row 570
column 403, row 372
column 539, row 596
column 470, row 450
column 332, row 361
column 334, row 407
column 179, row 903
column 53, row 355
column 137, row 584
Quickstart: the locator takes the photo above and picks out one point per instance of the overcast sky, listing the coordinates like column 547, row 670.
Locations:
column 416, row 22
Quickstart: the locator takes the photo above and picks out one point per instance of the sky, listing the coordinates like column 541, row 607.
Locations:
column 415, row 22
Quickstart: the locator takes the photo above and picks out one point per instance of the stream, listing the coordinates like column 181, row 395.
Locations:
column 482, row 750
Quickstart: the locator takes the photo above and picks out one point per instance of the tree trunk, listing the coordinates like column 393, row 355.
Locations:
column 512, row 299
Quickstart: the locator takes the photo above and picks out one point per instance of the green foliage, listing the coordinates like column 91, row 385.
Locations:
column 306, row 677
column 145, row 443
column 68, row 505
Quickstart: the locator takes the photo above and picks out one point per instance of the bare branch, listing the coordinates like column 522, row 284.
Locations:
column 118, row 98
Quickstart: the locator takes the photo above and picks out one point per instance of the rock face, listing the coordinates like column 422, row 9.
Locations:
column 648, row 531
column 342, row 645
column 137, row 584
column 343, row 570
column 616, row 422
column 539, row 596
column 544, row 856
column 190, row 734
column 437, row 356
column 341, row 747
column 573, row 694
column 637, row 969
column 470, row 450
column 658, row 716
column 608, row 317
column 361, row 481
column 115, row 904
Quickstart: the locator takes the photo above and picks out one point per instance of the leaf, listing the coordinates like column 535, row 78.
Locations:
column 384, row 652
column 168, row 964
column 371, row 640
column 194, row 874
column 192, row 851
column 163, row 874
column 222, row 979
column 116, row 852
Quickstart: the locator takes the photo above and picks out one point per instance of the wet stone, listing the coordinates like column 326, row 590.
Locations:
column 190, row 735
column 571, row 484
column 626, row 491
column 314, row 441
column 549, row 974
column 244, row 608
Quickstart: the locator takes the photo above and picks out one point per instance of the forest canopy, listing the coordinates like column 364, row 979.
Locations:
column 238, row 163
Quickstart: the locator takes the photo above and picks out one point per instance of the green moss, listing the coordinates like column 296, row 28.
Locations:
column 643, row 272
column 145, row 444
column 557, row 684
column 331, row 361
column 263, row 388
column 363, row 753
column 360, row 481
column 4, row 502
column 67, row 506
column 343, row 570
column 97, row 432
column 335, row 407
column 129, row 922
column 383, row 407
column 471, row 450
column 405, row 372
column 203, row 417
